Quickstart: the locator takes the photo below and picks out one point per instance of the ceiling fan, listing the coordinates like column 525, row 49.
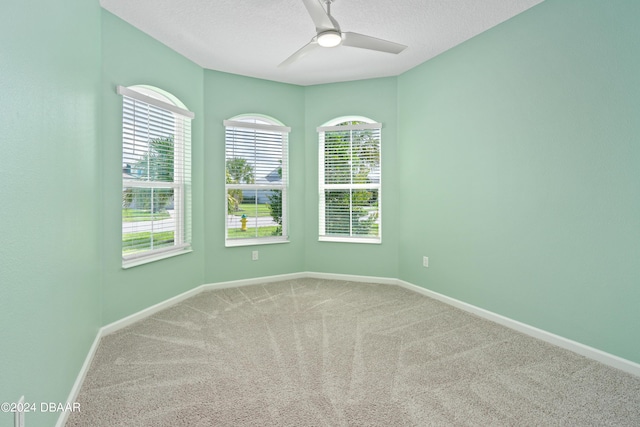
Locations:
column 328, row 34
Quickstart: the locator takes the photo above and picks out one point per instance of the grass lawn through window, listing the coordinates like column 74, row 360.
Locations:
column 135, row 215
column 249, row 209
column 236, row 233
column 137, row 242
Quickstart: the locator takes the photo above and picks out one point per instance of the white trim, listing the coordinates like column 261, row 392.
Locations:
column 347, row 239
column 180, row 130
column 360, row 126
column 584, row 350
column 147, row 312
column 77, row 385
column 342, row 119
column 253, row 281
column 256, row 139
column 256, row 118
column 256, row 126
column 323, row 187
column 352, row 278
column 130, row 93
column 322, row 202
column 258, row 187
column 372, row 186
column 231, row 243
column 150, row 184
column 155, row 255
column 576, row 347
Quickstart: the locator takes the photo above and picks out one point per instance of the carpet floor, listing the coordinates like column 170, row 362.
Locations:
column 313, row 352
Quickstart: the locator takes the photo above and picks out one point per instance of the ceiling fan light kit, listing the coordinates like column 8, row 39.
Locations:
column 328, row 34
column 329, row 38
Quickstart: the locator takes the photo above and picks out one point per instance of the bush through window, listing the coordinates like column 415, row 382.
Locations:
column 256, row 164
column 156, row 175
column 350, row 181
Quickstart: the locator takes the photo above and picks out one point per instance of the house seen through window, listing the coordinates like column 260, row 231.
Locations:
column 256, row 164
column 156, row 175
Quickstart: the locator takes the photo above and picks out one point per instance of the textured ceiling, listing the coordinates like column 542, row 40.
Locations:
column 251, row 37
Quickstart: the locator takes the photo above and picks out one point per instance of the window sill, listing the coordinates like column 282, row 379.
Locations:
column 369, row 240
column 154, row 257
column 255, row 242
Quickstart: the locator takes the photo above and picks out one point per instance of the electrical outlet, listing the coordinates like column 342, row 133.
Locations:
column 254, row 255
column 425, row 261
column 18, row 417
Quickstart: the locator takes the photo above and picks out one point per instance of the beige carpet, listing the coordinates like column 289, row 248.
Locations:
column 314, row 352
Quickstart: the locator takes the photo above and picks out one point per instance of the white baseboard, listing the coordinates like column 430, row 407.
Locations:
column 75, row 390
column 142, row 314
column 584, row 350
column 254, row 281
column 562, row 342
column 352, row 278
column 574, row 346
column 149, row 311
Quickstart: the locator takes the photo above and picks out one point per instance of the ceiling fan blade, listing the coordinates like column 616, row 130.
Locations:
column 372, row 43
column 322, row 20
column 300, row 53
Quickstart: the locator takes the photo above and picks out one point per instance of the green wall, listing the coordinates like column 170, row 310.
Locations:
column 130, row 57
column 511, row 161
column 226, row 96
column 377, row 100
column 49, row 257
column 521, row 150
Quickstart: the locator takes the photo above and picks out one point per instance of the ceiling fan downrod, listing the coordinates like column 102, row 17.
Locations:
column 328, row 3
column 332, row 37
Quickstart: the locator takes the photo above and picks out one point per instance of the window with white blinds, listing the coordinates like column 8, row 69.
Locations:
column 256, row 165
column 156, row 176
column 350, row 182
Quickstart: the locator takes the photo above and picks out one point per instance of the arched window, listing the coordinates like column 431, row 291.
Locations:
column 256, row 165
column 349, row 179
column 156, row 175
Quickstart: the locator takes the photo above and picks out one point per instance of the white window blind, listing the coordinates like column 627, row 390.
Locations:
column 256, row 163
column 350, row 183
column 156, row 177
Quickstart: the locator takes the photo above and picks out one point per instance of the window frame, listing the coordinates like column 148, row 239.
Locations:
column 338, row 125
column 256, row 123
column 166, row 103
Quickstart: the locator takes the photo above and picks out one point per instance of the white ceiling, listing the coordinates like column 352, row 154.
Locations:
column 251, row 37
